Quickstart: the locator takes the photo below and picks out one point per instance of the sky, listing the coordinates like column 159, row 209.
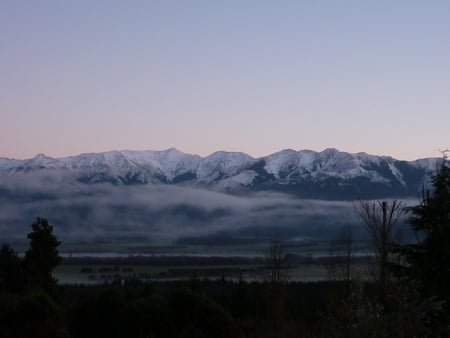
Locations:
column 201, row 76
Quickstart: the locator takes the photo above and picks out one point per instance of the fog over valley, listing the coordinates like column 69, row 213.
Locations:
column 167, row 214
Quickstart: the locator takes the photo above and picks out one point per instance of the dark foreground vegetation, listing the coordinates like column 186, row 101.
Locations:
column 407, row 295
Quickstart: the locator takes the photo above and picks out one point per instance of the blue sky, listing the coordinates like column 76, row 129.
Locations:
column 252, row 76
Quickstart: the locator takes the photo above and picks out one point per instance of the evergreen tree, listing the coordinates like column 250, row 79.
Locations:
column 42, row 256
column 428, row 261
column 11, row 274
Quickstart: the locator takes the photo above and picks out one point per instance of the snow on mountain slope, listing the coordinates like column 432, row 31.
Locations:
column 304, row 171
column 328, row 163
column 222, row 164
column 398, row 175
column 283, row 161
column 241, row 180
column 42, row 161
column 176, row 163
column 7, row 164
column 429, row 164
column 169, row 163
column 111, row 166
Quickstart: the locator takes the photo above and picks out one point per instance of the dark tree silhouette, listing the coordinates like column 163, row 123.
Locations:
column 276, row 278
column 276, row 269
column 380, row 219
column 37, row 315
column 11, row 274
column 195, row 314
column 428, row 261
column 42, row 256
column 340, row 263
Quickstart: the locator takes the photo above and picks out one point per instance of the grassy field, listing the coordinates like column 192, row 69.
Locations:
column 95, row 274
column 304, row 248
column 93, row 263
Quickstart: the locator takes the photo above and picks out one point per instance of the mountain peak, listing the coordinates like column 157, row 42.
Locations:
column 330, row 151
column 173, row 150
column 40, row 156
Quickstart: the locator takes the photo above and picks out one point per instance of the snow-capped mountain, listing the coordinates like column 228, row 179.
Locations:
column 169, row 196
column 329, row 174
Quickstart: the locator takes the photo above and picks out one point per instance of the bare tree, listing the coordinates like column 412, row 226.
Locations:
column 340, row 263
column 380, row 219
column 276, row 269
column 276, row 277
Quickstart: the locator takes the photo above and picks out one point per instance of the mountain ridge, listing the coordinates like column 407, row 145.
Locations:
column 328, row 174
column 176, row 150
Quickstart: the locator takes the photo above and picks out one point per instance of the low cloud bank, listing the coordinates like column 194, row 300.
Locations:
column 163, row 213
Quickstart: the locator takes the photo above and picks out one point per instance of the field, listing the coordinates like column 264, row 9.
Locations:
column 97, row 274
column 109, row 262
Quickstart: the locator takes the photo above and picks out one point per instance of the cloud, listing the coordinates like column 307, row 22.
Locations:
column 162, row 213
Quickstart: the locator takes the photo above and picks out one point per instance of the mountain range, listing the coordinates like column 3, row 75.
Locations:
column 326, row 175
column 227, row 197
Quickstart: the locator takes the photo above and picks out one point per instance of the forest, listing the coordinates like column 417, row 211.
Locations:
column 403, row 292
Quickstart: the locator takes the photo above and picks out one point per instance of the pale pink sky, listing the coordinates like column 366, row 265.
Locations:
column 256, row 76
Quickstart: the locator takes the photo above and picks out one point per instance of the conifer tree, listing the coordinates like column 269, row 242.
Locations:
column 428, row 261
column 11, row 278
column 42, row 256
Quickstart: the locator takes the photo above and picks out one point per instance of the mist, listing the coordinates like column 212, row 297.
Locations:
column 163, row 213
